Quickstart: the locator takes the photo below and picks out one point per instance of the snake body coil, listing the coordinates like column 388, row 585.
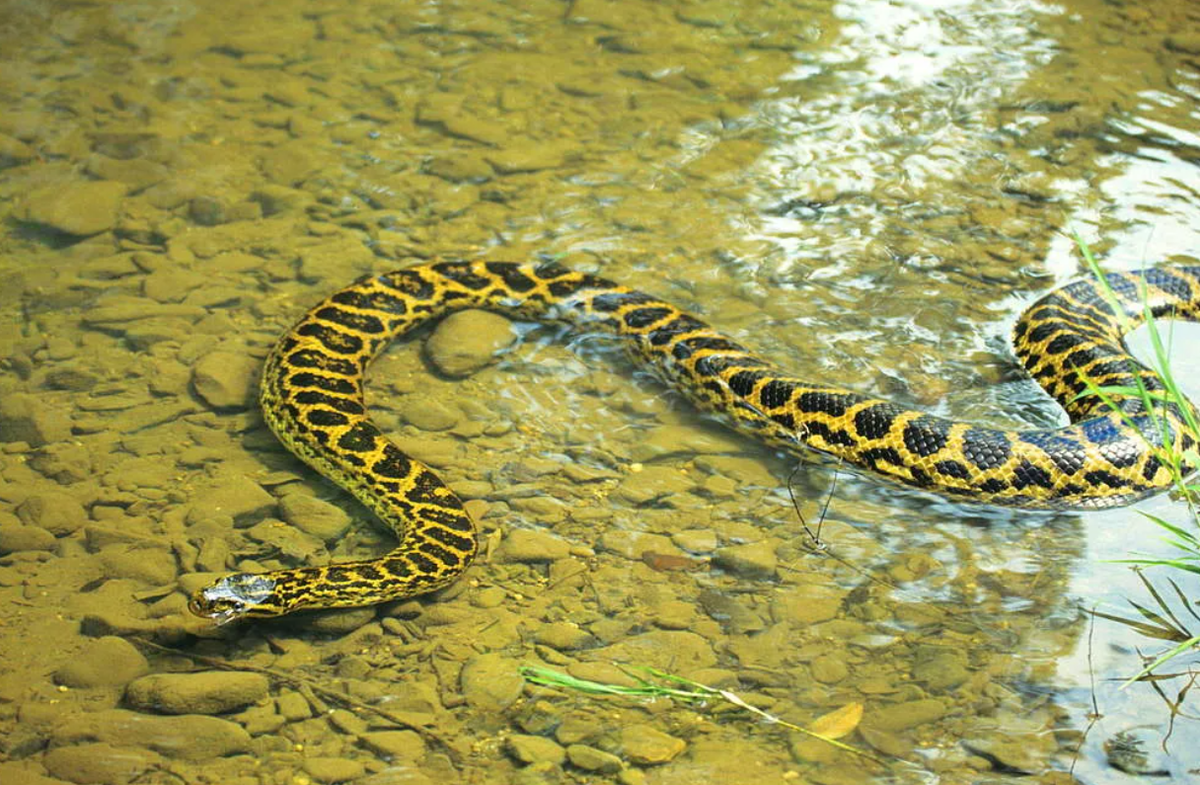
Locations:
column 312, row 398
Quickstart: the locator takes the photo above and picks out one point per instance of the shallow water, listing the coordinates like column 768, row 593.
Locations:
column 867, row 192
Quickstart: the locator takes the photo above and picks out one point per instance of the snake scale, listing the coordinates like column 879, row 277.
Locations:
column 312, row 398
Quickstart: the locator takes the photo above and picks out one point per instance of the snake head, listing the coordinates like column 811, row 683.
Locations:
column 233, row 597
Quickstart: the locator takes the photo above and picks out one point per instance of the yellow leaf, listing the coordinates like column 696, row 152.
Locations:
column 838, row 722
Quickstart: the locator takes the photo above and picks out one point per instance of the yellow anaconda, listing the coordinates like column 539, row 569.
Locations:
column 312, row 398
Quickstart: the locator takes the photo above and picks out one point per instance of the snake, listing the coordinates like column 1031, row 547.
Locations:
column 312, row 398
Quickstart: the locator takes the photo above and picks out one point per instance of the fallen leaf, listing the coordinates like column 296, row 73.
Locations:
column 838, row 722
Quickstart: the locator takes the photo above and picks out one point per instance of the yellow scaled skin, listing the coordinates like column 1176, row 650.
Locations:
column 312, row 398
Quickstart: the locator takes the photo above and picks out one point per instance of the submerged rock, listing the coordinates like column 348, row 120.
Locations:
column 209, row 692
column 76, row 208
column 467, row 341
column 105, row 662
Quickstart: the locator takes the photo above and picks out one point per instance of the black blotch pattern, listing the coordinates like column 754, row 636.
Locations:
column 514, row 278
column 435, row 551
column 397, row 567
column 776, row 393
column 874, row 422
column 679, row 325
column 333, row 340
column 425, row 488
column 742, row 383
column 462, row 274
column 353, row 319
column 607, row 302
column 877, row 455
column 1063, row 452
column 312, row 397
column 833, row 404
column 310, row 358
column 393, row 464
column 644, row 317
column 410, row 282
column 926, row 435
column 565, row 288
column 986, row 449
column 450, row 539
column 952, row 469
column 1064, row 343
column 993, row 485
column 836, row 437
column 1151, row 468
column 361, row 438
column 323, row 418
column 1101, row 477
column 371, row 301
column 331, row 384
column 452, row 517
column 1026, row 474
column 786, row 420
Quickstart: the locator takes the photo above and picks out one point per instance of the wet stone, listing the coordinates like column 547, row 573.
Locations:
column 633, row 545
column 651, row 483
column 696, row 540
column 225, row 380
column 467, row 341
column 940, row 667
column 592, row 759
column 491, row 682
column 313, row 516
column 675, row 650
column 209, row 692
column 532, row 546
column 16, row 537
column 324, row 769
column 428, row 414
column 105, row 662
column 752, row 560
column 188, row 737
column 293, row 706
column 902, row 716
column 26, row 418
column 564, row 636
column 76, row 208
column 830, row 669
column 402, row 745
column 239, row 498
column 808, row 604
column 646, row 745
column 99, row 764
column 154, row 566
column 535, row 749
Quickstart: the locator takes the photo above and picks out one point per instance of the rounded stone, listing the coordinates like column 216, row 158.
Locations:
column 105, row 662
column 57, row 512
column 324, row 769
column 592, row 759
column 535, row 749
column 752, row 560
column 314, row 516
column 16, row 537
column 207, row 692
column 491, row 682
column 25, row 418
column 77, row 208
column 99, row 763
column 225, row 380
column 467, row 341
column 532, row 545
column 645, row 745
